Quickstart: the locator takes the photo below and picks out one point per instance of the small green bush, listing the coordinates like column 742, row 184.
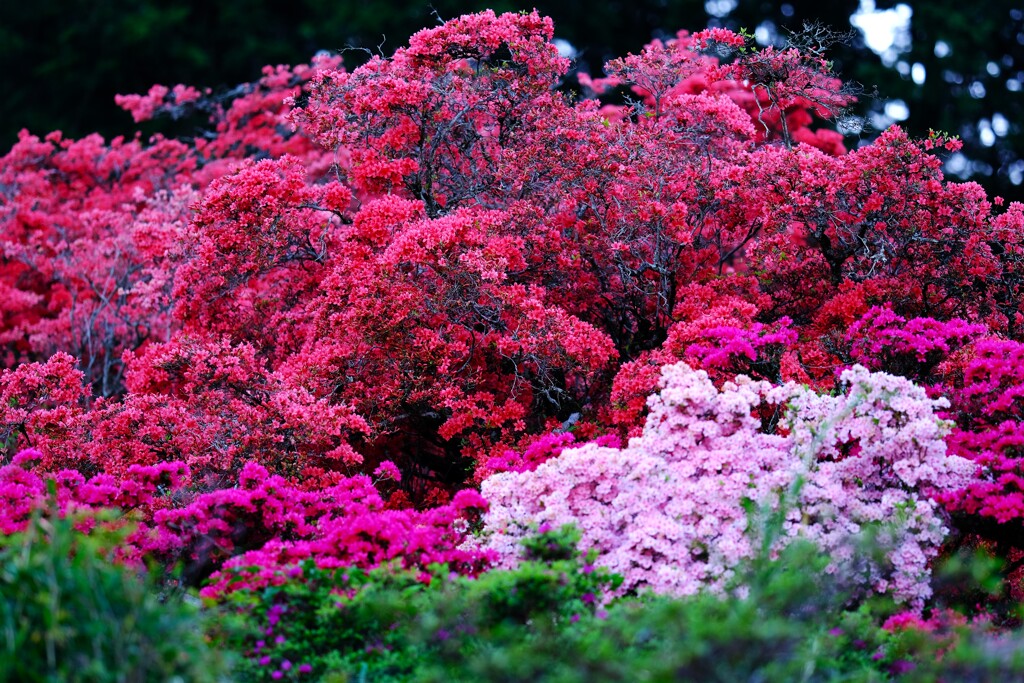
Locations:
column 68, row 614
column 549, row 620
column 393, row 625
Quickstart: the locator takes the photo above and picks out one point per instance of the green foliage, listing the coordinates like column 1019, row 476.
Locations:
column 970, row 577
column 393, row 625
column 778, row 631
column 335, row 622
column 791, row 621
column 790, row 616
column 547, row 621
column 68, row 614
column 974, row 654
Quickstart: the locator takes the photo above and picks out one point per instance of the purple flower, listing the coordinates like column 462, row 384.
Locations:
column 901, row 666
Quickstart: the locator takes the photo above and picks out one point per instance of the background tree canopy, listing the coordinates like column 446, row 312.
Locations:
column 955, row 66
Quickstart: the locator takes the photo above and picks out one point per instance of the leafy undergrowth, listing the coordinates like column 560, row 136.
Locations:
column 791, row 616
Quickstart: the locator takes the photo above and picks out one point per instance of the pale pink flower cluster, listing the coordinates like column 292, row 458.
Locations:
column 876, row 454
column 667, row 512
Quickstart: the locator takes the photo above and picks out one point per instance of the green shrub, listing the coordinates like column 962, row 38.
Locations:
column 393, row 625
column 68, row 614
column 789, row 617
column 547, row 621
column 781, row 629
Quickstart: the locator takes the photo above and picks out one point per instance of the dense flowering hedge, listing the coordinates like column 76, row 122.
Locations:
column 443, row 269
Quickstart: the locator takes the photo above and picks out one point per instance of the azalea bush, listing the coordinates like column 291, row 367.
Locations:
column 407, row 314
column 669, row 512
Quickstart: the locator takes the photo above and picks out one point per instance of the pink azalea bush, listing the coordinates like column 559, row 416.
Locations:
column 668, row 511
